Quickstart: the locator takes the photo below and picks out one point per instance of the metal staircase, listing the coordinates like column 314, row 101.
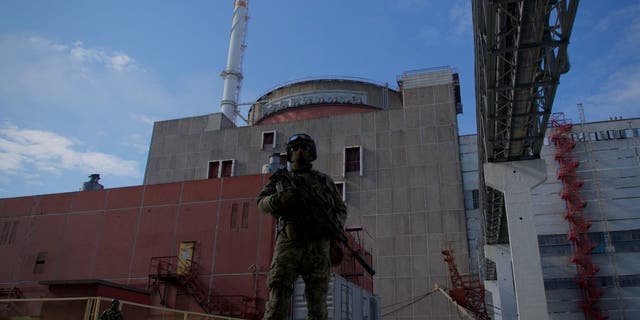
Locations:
column 10, row 308
column 578, row 234
column 185, row 273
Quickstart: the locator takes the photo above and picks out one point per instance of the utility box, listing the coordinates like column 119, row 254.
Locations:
column 345, row 301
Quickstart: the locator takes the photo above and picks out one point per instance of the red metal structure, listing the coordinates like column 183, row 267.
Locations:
column 172, row 270
column 467, row 290
column 578, row 224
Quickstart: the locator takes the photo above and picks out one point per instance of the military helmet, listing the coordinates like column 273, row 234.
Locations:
column 301, row 139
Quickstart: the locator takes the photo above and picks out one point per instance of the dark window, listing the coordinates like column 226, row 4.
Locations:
column 268, row 139
column 40, row 260
column 475, row 195
column 214, row 169
column 227, row 168
column 234, row 216
column 352, row 159
column 244, row 223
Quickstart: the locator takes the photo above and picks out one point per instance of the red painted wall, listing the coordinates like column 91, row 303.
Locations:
column 314, row 111
column 112, row 235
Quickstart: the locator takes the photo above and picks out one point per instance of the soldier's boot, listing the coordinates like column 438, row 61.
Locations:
column 278, row 305
column 316, row 295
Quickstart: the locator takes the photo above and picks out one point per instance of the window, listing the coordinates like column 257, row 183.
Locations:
column 226, row 169
column 221, row 168
column 581, row 136
column 340, row 185
column 472, row 199
column 352, row 159
column 40, row 260
column 592, row 136
column 602, row 135
column 269, row 139
column 475, row 195
column 614, row 134
column 214, row 169
column 628, row 133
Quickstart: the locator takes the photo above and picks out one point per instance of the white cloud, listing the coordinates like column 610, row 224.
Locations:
column 618, row 95
column 120, row 61
column 104, row 96
column 617, row 70
column 25, row 150
column 117, row 61
column 460, row 17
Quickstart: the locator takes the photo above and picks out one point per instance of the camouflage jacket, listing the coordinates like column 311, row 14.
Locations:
column 111, row 314
column 316, row 198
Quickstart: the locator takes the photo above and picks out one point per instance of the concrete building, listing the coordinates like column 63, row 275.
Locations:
column 609, row 168
column 394, row 154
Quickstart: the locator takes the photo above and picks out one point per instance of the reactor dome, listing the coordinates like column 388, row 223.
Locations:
column 316, row 98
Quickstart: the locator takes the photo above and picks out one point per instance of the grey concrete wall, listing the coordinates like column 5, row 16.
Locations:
column 409, row 197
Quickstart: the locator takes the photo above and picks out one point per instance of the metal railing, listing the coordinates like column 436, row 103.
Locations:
column 90, row 308
column 187, row 274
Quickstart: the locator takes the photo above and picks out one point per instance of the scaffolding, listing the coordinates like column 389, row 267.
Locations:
column 466, row 290
column 578, row 225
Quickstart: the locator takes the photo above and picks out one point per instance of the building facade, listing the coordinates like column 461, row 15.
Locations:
column 607, row 155
column 393, row 153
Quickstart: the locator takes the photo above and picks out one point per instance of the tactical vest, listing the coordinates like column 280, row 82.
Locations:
column 314, row 205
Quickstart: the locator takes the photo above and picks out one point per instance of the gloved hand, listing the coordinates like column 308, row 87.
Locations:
column 286, row 199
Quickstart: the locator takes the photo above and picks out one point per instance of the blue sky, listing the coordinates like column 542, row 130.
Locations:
column 81, row 82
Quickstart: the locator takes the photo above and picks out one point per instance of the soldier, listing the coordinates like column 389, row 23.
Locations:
column 92, row 184
column 304, row 201
column 113, row 313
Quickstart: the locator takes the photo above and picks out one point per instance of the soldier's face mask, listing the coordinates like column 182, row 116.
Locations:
column 301, row 154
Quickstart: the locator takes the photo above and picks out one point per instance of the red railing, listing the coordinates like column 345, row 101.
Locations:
column 187, row 274
column 578, row 233
column 467, row 290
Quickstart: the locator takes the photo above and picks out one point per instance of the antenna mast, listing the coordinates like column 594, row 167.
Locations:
column 232, row 74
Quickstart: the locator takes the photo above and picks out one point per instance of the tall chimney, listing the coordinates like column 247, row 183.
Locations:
column 232, row 75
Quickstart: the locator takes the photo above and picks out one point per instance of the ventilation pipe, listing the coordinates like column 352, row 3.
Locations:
column 273, row 165
column 232, row 75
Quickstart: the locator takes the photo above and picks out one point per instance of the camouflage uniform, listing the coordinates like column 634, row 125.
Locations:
column 112, row 313
column 302, row 248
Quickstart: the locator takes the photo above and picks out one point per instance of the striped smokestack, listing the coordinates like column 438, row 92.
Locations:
column 232, row 75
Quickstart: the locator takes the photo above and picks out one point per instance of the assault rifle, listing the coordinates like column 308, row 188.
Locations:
column 284, row 181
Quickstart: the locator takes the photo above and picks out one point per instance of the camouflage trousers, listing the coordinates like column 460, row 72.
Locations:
column 309, row 259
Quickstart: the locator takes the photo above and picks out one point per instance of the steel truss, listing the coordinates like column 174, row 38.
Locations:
column 520, row 53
